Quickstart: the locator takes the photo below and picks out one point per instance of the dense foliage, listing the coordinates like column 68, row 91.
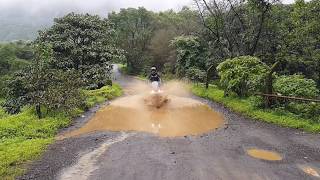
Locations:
column 39, row 85
column 246, row 43
column 24, row 137
column 190, row 54
column 195, row 74
column 267, row 29
column 134, row 28
column 75, row 53
column 296, row 85
column 83, row 43
column 246, row 107
column 13, row 57
column 145, row 36
column 244, row 47
column 242, row 75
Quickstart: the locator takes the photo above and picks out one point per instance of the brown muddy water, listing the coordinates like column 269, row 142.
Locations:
column 179, row 116
column 309, row 170
column 264, row 154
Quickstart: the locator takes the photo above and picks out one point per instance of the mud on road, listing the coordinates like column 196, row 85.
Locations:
column 220, row 153
column 179, row 115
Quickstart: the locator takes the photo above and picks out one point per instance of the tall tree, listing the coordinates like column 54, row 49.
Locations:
column 190, row 54
column 134, row 29
column 302, row 49
column 84, row 43
column 171, row 24
column 235, row 27
column 40, row 86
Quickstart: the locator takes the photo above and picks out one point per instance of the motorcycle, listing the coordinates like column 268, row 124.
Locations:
column 155, row 86
column 156, row 98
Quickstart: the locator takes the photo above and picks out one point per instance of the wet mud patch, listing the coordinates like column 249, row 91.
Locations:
column 264, row 154
column 312, row 171
column 179, row 116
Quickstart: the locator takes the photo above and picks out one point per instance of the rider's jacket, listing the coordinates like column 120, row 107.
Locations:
column 154, row 77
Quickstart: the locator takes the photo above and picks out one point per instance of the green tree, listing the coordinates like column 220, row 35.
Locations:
column 190, row 54
column 38, row 77
column 196, row 74
column 242, row 75
column 11, row 60
column 170, row 24
column 6, row 56
column 296, row 85
column 234, row 27
column 84, row 43
column 134, row 29
column 301, row 48
column 40, row 86
column 16, row 93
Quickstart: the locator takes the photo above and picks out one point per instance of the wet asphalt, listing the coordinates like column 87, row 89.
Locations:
column 219, row 154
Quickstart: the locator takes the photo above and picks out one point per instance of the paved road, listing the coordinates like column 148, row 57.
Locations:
column 219, row 154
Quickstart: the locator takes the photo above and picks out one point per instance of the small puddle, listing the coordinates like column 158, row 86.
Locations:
column 309, row 170
column 264, row 154
column 179, row 116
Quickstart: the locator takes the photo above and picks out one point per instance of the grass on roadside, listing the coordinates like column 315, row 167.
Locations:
column 100, row 95
column 3, row 114
column 245, row 107
column 23, row 137
column 123, row 68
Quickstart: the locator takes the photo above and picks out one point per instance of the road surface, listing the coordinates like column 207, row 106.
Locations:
column 219, row 154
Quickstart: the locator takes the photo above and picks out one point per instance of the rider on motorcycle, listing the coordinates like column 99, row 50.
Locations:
column 154, row 76
column 157, row 98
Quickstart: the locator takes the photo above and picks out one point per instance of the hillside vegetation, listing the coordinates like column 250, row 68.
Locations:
column 47, row 82
column 245, row 48
column 236, row 50
column 24, row 137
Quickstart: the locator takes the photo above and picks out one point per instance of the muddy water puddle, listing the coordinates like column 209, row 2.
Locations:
column 264, row 154
column 312, row 171
column 180, row 116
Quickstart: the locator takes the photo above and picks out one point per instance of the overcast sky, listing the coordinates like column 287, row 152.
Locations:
column 102, row 7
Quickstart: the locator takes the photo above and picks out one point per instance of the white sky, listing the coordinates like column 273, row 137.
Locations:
column 101, row 7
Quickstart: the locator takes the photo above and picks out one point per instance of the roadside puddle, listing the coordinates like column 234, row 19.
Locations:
column 309, row 170
column 264, row 154
column 180, row 116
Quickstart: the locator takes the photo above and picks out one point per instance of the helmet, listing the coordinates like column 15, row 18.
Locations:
column 153, row 68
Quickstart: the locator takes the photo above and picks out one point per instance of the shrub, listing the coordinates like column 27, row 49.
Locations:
column 307, row 110
column 245, row 106
column 242, row 74
column 257, row 101
column 190, row 53
column 296, row 85
column 16, row 93
column 3, row 85
column 23, row 137
column 100, row 95
column 196, row 74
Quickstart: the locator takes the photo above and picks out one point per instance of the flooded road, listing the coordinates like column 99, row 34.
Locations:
column 187, row 138
column 171, row 120
column 180, row 116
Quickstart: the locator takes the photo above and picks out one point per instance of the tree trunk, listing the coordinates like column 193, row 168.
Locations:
column 38, row 110
column 269, row 86
column 208, row 76
column 319, row 74
column 207, row 81
column 269, row 82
